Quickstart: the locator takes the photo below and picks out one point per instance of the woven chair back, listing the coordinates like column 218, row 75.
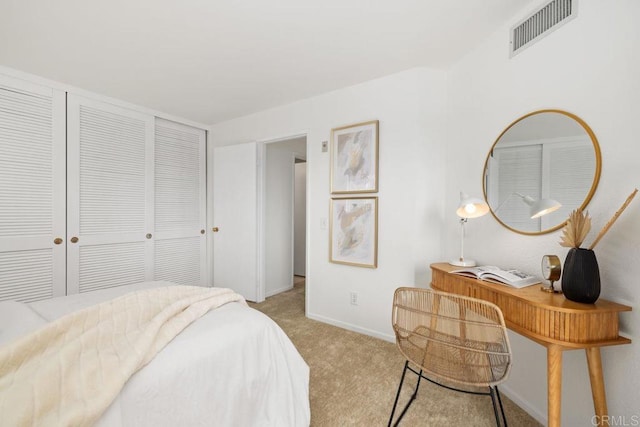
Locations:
column 453, row 338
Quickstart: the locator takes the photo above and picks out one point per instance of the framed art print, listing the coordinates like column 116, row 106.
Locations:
column 354, row 158
column 354, row 231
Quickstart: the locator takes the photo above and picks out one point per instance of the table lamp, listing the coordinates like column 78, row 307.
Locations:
column 469, row 207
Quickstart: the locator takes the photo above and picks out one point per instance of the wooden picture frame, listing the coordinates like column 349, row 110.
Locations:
column 354, row 158
column 353, row 235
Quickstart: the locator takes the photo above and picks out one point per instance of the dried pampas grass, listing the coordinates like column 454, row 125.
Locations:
column 576, row 230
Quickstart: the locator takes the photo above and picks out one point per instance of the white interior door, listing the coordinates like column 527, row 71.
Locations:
column 235, row 215
column 180, row 205
column 110, row 195
column 278, row 218
column 32, row 191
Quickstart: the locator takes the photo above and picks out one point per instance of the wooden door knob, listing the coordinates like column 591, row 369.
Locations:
column 74, row 239
column 57, row 240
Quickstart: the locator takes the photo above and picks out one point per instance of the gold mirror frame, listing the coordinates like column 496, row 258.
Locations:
column 596, row 177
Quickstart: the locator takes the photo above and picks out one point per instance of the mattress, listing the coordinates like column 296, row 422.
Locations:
column 232, row 367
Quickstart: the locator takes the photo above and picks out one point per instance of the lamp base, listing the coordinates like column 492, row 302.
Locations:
column 463, row 262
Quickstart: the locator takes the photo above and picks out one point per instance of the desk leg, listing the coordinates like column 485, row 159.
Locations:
column 597, row 382
column 554, row 385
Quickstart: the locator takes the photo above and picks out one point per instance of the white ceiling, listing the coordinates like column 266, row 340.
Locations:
column 211, row 60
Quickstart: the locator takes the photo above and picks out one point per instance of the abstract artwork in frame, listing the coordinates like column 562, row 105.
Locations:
column 354, row 158
column 354, row 231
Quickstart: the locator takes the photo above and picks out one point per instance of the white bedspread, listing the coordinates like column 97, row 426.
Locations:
column 232, row 367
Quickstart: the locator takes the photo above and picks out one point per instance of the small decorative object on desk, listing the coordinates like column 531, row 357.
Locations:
column 551, row 270
column 581, row 276
column 489, row 273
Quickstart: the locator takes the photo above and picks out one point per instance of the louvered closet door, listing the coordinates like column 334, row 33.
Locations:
column 180, row 204
column 32, row 191
column 110, row 195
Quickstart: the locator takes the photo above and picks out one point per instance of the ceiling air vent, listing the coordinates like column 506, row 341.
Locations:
column 547, row 19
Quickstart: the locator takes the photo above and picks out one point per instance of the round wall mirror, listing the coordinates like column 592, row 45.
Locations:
column 541, row 167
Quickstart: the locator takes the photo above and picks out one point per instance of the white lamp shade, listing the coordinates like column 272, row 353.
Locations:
column 538, row 208
column 471, row 207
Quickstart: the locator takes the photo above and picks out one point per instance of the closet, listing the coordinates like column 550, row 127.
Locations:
column 94, row 195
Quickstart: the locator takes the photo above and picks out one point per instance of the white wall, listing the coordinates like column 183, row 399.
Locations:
column 300, row 219
column 278, row 201
column 589, row 67
column 409, row 106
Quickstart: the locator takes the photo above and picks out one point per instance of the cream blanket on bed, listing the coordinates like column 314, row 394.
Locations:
column 69, row 372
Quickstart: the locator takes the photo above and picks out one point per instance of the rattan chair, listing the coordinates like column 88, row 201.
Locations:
column 456, row 342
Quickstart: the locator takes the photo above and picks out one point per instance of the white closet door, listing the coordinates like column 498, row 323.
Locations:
column 236, row 201
column 110, row 195
column 180, row 204
column 32, row 191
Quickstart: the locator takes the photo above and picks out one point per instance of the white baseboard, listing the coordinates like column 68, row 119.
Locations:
column 353, row 328
column 277, row 291
column 518, row 400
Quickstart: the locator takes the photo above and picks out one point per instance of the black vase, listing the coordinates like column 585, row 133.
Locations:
column 581, row 276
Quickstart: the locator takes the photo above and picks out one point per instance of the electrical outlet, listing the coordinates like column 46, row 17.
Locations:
column 353, row 297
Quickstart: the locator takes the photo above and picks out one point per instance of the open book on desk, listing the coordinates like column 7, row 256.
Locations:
column 489, row 273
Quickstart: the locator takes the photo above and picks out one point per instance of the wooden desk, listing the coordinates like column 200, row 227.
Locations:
column 550, row 320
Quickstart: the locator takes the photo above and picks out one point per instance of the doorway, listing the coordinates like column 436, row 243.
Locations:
column 300, row 219
column 284, row 214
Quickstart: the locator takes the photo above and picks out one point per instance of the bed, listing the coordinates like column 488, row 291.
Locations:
column 231, row 367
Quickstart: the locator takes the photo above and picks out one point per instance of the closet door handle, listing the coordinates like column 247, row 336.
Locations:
column 202, row 231
column 57, row 240
column 74, row 239
column 215, row 229
column 149, row 235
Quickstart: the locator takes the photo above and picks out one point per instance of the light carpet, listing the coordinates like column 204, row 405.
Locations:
column 354, row 377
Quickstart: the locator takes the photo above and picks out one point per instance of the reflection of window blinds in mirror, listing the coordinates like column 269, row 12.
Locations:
column 560, row 169
column 520, row 170
column 575, row 156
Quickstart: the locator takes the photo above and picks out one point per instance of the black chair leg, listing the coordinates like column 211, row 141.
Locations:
column 393, row 411
column 497, row 401
column 504, row 419
column 413, row 396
